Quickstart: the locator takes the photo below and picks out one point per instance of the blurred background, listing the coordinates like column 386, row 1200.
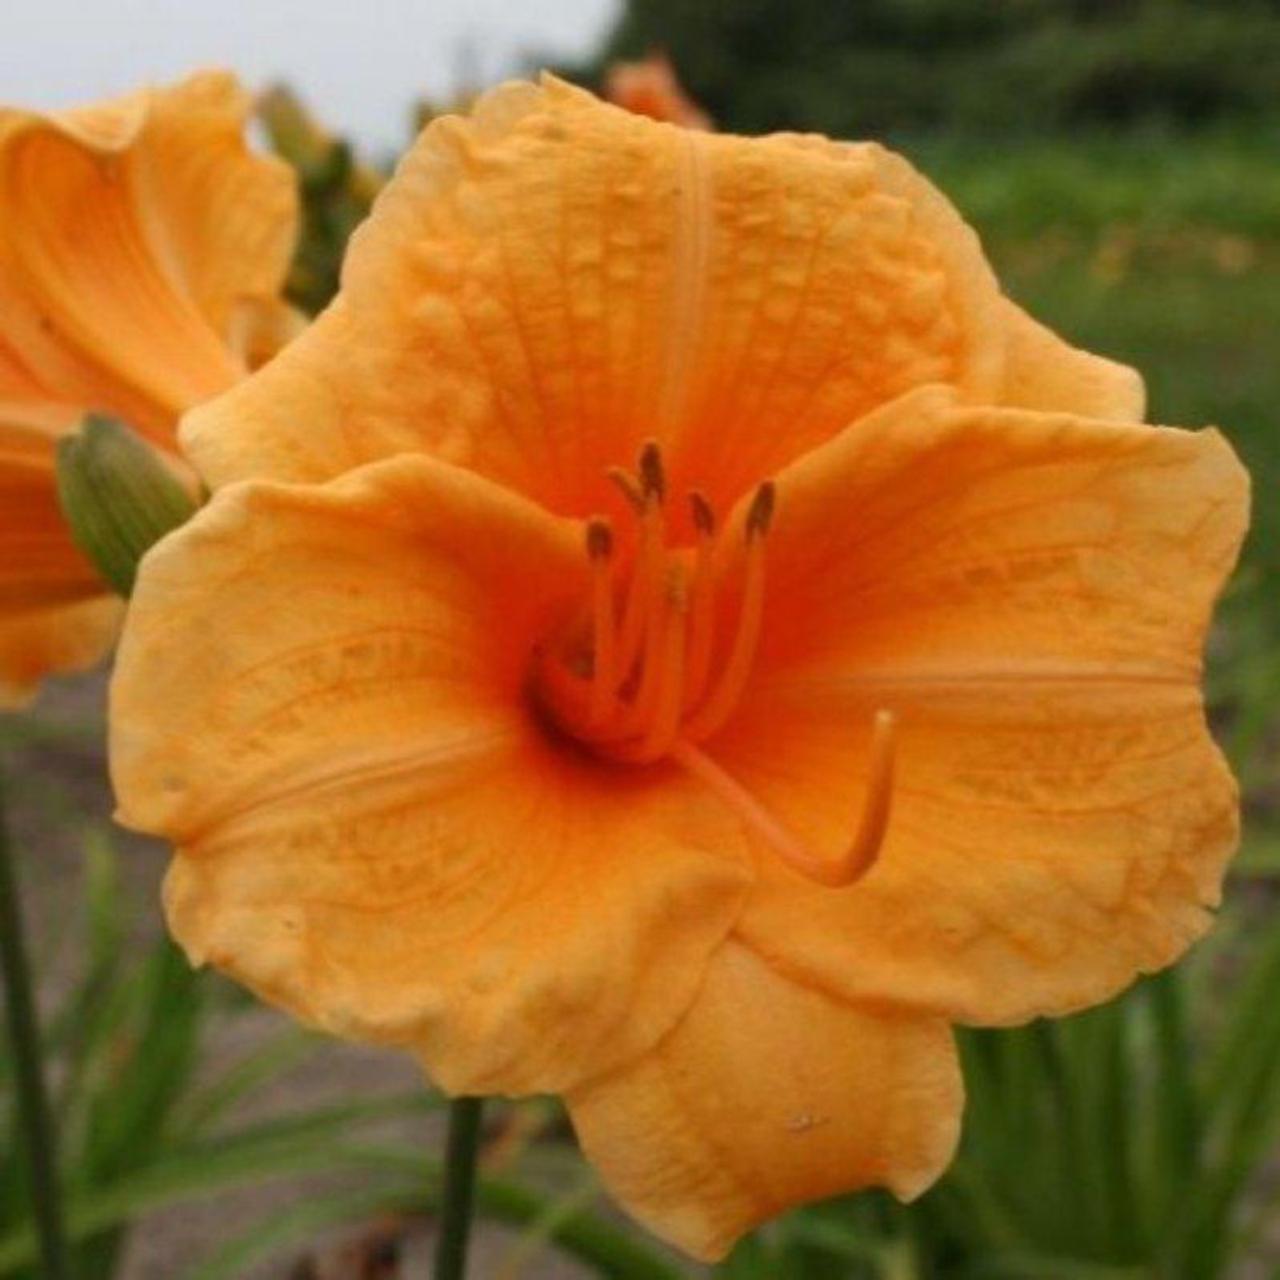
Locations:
column 1121, row 161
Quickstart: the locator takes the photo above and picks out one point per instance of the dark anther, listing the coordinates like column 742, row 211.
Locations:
column 704, row 519
column 652, row 478
column 761, row 512
column 599, row 538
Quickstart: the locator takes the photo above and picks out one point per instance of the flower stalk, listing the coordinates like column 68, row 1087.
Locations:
column 34, row 1120
column 458, row 1203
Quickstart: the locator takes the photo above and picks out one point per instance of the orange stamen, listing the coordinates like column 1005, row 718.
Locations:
column 719, row 706
column 862, row 851
column 639, row 692
column 603, row 628
column 640, row 713
column 701, row 599
column 664, row 710
column 644, row 583
column 627, row 486
column 646, row 499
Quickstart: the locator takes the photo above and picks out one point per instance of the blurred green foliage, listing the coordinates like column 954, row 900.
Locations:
column 336, row 187
column 858, row 67
column 144, row 1118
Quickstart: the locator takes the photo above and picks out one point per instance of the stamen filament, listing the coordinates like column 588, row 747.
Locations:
column 862, row 851
column 644, row 583
column 724, row 697
column 627, row 486
column 603, row 627
column 639, row 714
column 668, row 699
column 701, row 600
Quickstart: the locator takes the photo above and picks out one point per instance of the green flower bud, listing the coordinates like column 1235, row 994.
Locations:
column 119, row 497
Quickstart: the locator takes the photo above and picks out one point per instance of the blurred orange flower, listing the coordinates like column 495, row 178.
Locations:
column 650, row 88
column 650, row 511
column 142, row 250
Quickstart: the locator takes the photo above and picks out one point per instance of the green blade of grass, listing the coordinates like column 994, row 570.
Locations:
column 275, row 1057
column 300, row 1223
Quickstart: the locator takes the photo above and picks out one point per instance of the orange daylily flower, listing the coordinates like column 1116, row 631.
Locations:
column 653, row 512
column 650, row 87
column 142, row 251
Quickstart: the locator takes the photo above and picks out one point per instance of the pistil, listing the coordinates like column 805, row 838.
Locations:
column 858, row 856
column 733, row 678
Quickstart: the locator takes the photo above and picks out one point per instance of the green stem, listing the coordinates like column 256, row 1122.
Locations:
column 33, row 1102
column 459, row 1188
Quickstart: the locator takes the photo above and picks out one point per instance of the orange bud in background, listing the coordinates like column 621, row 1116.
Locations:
column 651, row 88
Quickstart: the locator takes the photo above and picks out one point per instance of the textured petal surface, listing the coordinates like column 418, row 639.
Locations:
column 1029, row 593
column 319, row 699
column 765, row 1096
column 551, row 281
column 1043, row 372
column 130, row 232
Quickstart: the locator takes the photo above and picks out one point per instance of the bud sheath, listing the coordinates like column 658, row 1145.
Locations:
column 119, row 497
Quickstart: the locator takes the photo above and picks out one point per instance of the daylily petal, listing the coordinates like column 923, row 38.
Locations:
column 319, row 699
column 54, row 611
column 768, row 1094
column 224, row 217
column 24, row 398
column 1029, row 594
column 131, row 232
column 1044, row 372
column 1038, row 369
column 36, row 642
column 552, row 281
column 41, row 565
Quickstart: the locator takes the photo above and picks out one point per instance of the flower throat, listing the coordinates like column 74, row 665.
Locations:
column 642, row 676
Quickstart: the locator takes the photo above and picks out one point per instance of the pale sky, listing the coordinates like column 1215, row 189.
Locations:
column 358, row 62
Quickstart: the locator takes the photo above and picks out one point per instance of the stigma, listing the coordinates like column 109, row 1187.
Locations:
column 653, row 668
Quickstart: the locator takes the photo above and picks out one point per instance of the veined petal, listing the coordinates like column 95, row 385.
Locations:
column 1044, row 372
column 1012, row 358
column 222, row 219
column 131, row 231
column 551, row 281
column 55, row 613
column 768, row 1094
column 40, row 565
column 320, row 699
column 56, row 638
column 1028, row 593
column 25, row 399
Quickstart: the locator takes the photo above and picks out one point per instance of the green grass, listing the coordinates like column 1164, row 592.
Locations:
column 1226, row 181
